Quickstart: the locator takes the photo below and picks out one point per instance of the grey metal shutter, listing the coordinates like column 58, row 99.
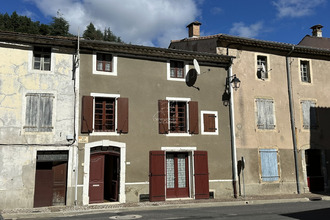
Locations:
column 46, row 112
column 269, row 165
column 309, row 114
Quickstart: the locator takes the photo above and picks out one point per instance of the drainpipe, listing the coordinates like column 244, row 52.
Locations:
column 292, row 119
column 232, row 131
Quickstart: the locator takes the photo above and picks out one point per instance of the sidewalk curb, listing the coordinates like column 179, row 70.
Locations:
column 83, row 210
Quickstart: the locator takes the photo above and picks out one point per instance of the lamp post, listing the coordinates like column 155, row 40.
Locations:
column 228, row 99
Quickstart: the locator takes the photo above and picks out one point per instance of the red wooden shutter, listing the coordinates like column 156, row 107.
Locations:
column 193, row 117
column 201, row 175
column 156, row 176
column 87, row 114
column 122, row 115
column 209, row 122
column 163, row 116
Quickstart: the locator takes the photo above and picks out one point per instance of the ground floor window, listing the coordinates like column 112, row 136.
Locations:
column 269, row 165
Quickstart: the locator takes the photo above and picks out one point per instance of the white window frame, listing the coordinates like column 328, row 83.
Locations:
column 105, row 95
column 216, row 132
column 169, row 99
column 267, row 67
column 31, row 62
column 310, row 71
column 185, row 71
column 114, row 64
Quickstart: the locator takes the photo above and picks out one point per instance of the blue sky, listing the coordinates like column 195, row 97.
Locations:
column 157, row 22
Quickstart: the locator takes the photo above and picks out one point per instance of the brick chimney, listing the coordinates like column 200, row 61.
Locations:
column 317, row 30
column 194, row 29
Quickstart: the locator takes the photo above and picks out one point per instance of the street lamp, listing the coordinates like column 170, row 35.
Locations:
column 235, row 84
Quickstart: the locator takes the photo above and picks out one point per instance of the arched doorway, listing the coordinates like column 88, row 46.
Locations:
column 104, row 174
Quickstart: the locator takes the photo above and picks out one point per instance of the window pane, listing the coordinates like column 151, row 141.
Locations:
column 108, row 67
column 181, row 171
column 170, row 170
column 99, row 66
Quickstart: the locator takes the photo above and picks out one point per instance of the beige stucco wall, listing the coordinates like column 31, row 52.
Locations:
column 19, row 148
column 145, row 82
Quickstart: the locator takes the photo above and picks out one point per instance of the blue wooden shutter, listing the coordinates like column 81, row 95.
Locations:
column 269, row 111
column 269, row 165
column 261, row 121
column 309, row 114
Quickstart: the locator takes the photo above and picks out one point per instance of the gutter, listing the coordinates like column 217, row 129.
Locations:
column 292, row 118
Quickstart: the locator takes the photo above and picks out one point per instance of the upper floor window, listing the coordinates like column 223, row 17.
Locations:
column 104, row 64
column 265, row 114
column 42, row 58
column 309, row 116
column 178, row 116
column 305, row 71
column 102, row 113
column 262, row 67
column 39, row 112
column 177, row 70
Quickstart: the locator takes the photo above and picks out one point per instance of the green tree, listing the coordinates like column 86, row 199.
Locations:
column 59, row 26
column 109, row 36
column 91, row 33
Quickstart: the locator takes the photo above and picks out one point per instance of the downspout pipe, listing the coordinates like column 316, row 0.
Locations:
column 232, row 131
column 292, row 118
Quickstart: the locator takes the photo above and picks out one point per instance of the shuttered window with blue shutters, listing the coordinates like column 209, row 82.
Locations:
column 269, row 165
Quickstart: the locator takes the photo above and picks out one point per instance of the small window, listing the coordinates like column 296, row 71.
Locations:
column 104, row 62
column 305, row 71
column 176, row 69
column 269, row 165
column 309, row 116
column 209, row 122
column 265, row 114
column 39, row 112
column 262, row 67
column 42, row 58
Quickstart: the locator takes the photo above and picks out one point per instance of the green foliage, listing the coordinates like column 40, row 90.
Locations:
column 58, row 27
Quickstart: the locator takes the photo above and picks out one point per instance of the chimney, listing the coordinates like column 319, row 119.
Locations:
column 317, row 30
column 194, row 29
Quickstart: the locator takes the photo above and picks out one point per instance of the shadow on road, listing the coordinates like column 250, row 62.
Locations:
column 314, row 214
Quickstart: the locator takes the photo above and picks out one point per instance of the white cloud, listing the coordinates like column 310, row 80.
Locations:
column 146, row 22
column 243, row 30
column 296, row 8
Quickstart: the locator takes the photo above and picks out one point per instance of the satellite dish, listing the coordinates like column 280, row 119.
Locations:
column 191, row 78
column 196, row 66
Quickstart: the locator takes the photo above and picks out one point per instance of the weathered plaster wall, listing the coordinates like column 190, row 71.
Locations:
column 18, row 147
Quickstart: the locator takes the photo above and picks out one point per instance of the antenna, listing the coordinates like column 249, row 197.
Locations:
column 196, row 66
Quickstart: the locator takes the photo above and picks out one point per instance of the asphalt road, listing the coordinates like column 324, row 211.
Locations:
column 316, row 210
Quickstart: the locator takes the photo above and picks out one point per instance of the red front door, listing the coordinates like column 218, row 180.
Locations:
column 177, row 175
column 96, row 179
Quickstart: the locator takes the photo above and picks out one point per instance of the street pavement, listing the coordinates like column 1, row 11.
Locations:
column 62, row 211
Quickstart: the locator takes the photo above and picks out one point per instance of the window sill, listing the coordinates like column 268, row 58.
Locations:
column 209, row 133
column 104, row 134
column 41, row 71
column 176, row 79
column 104, row 73
column 178, row 135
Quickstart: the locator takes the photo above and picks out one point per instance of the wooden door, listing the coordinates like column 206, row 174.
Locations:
column 201, row 175
column 177, row 175
column 59, row 184
column 43, row 192
column 96, row 179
